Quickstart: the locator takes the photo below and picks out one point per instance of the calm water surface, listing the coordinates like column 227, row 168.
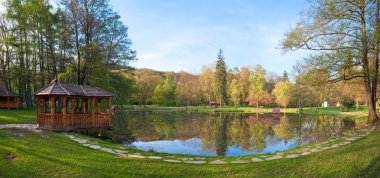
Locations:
column 224, row 134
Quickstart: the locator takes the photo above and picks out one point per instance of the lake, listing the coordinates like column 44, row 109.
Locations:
column 223, row 134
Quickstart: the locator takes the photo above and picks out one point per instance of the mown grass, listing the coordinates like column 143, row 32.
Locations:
column 359, row 114
column 207, row 109
column 17, row 116
column 55, row 155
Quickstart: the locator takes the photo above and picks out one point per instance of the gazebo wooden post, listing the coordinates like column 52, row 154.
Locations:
column 44, row 99
column 94, row 122
column 109, row 110
column 85, row 112
column 85, row 105
column 8, row 102
column 64, row 109
column 52, row 111
column 72, row 120
column 37, row 107
column 99, row 105
column 108, row 106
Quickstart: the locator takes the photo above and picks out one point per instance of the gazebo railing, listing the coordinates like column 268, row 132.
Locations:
column 12, row 105
column 73, row 121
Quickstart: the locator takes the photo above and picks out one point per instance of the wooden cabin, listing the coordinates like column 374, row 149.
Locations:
column 65, row 107
column 213, row 104
column 8, row 99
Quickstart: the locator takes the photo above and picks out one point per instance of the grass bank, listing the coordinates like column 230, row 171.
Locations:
column 20, row 116
column 55, row 155
column 207, row 109
column 359, row 114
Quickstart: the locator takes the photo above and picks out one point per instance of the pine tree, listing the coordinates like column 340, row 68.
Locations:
column 221, row 78
column 285, row 76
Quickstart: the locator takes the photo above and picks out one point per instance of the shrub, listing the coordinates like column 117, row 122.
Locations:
column 348, row 102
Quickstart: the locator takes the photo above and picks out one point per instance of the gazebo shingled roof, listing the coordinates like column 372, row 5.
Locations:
column 5, row 92
column 56, row 88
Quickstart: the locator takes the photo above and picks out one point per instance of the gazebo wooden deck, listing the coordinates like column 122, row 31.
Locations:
column 8, row 99
column 64, row 107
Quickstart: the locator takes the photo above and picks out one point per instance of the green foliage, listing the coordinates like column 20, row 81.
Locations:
column 348, row 102
column 158, row 95
column 235, row 92
column 257, row 82
column 122, row 86
column 282, row 93
column 165, row 94
column 168, row 90
column 285, row 75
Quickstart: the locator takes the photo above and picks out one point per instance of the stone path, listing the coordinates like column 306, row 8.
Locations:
column 31, row 127
column 19, row 126
column 290, row 154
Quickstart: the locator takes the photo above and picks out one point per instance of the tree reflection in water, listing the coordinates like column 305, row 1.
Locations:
column 228, row 134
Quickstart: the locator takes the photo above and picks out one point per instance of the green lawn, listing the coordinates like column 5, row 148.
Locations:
column 20, row 116
column 207, row 109
column 55, row 155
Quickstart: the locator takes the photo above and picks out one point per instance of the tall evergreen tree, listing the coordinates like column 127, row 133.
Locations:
column 285, row 76
column 221, row 79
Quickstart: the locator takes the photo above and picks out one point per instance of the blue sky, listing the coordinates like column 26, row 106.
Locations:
column 174, row 35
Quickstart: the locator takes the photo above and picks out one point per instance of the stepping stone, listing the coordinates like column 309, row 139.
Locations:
column 136, row 156
column 334, row 146
column 256, row 160
column 121, row 155
column 292, row 156
column 274, row 157
column 350, row 139
column 155, row 157
column 325, row 148
column 196, row 162
column 187, row 159
column 170, row 157
column 264, row 156
column 96, row 147
column 280, row 153
column 200, row 158
column 123, row 148
column 172, row 161
column 240, row 161
column 120, row 151
column 314, row 150
column 87, row 145
column 305, row 153
column 107, row 150
column 345, row 143
column 217, row 162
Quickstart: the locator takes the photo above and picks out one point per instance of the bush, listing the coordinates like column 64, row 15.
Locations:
column 348, row 103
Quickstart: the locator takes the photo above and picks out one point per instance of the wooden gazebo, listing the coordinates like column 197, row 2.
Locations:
column 66, row 107
column 8, row 99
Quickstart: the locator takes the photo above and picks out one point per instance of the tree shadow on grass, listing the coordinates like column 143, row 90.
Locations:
column 373, row 170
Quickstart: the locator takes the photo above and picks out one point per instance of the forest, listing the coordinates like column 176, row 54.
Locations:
column 75, row 41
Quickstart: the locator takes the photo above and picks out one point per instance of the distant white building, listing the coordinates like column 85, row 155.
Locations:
column 325, row 104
